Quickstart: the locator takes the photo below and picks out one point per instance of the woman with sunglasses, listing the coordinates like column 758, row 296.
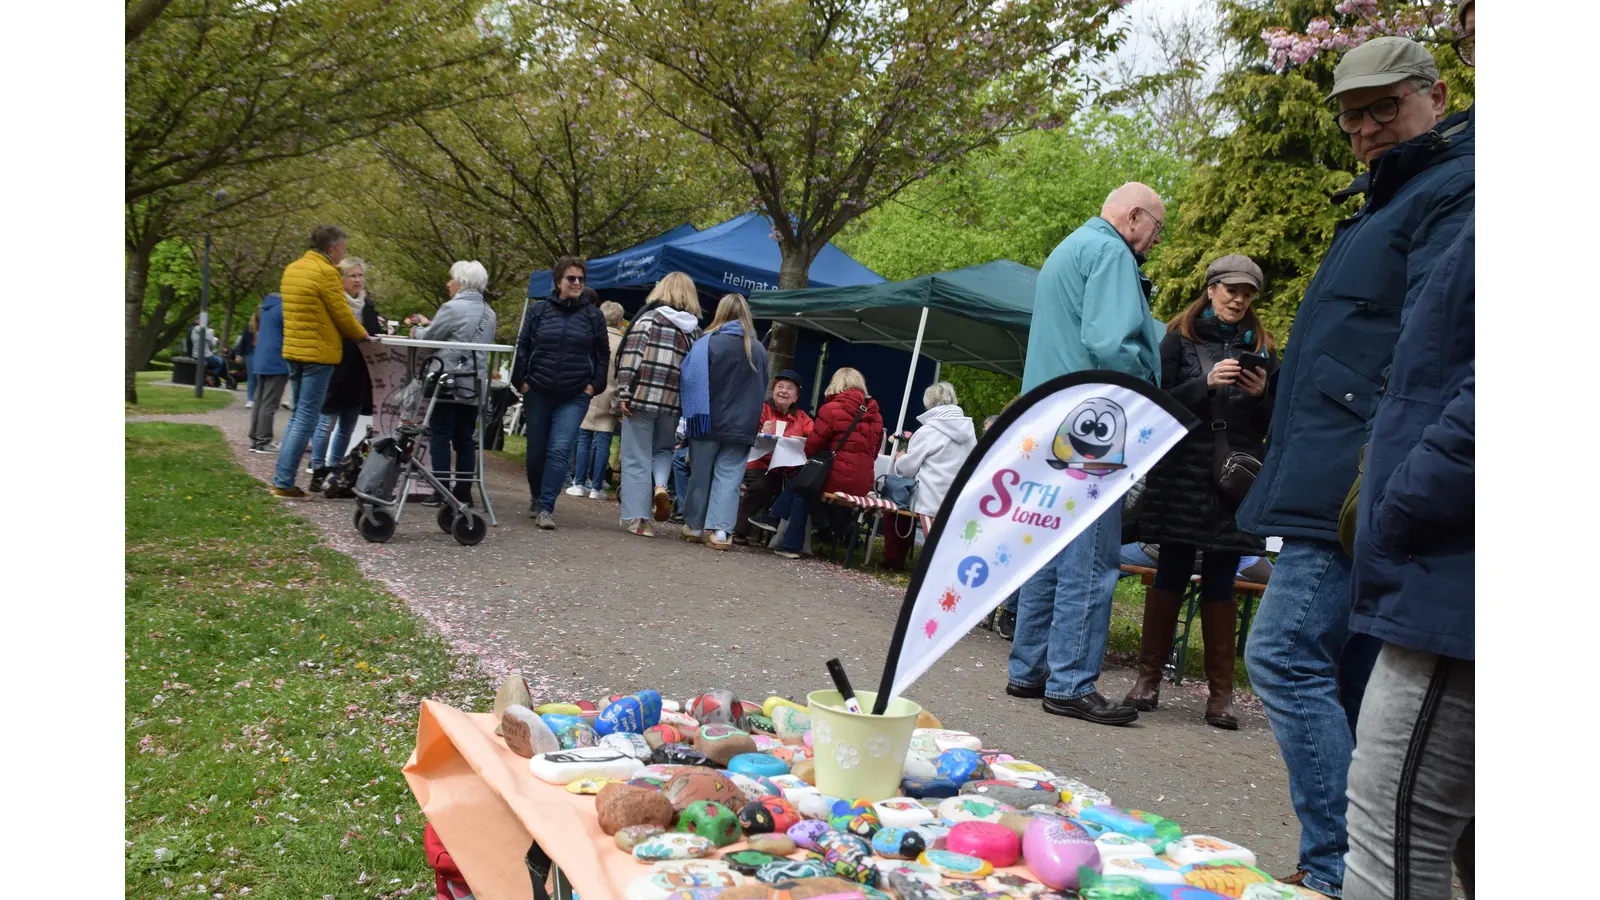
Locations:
column 562, row 357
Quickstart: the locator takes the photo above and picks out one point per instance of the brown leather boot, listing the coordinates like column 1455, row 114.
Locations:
column 1161, row 610
column 1216, row 628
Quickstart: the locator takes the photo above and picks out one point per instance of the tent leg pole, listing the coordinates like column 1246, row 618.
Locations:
column 816, row 382
column 911, row 376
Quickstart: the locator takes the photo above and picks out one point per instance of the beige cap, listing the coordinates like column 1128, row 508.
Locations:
column 1235, row 268
column 1381, row 62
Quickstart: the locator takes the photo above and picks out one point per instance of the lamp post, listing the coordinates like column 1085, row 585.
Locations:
column 205, row 305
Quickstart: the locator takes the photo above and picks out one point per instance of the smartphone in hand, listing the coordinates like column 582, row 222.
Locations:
column 1253, row 361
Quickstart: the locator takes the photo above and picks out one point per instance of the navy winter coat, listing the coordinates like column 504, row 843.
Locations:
column 738, row 391
column 1413, row 572
column 562, row 347
column 1418, row 196
column 268, row 358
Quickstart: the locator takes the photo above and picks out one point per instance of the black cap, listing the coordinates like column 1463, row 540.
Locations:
column 790, row 375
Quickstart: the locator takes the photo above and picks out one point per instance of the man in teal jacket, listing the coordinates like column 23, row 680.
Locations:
column 1091, row 310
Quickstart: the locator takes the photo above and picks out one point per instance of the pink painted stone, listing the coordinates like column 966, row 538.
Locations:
column 985, row 840
column 1055, row 848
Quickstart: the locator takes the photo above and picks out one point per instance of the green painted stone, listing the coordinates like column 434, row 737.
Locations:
column 755, row 722
column 746, row 862
column 710, row 820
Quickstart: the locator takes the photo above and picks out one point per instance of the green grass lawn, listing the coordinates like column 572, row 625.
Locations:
column 271, row 692
column 158, row 396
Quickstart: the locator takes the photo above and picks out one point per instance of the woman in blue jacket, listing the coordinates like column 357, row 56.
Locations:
column 269, row 369
column 724, row 386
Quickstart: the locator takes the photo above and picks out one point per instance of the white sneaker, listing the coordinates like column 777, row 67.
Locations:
column 575, row 491
column 249, row 404
column 597, row 495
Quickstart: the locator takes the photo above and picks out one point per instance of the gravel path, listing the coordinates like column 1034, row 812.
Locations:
column 589, row 610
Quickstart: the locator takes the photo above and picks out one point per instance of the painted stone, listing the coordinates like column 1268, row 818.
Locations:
column 648, row 782
column 585, row 707
column 526, row 734
column 961, row 766
column 840, row 838
column 1198, row 848
column 805, row 770
column 806, row 832
column 722, row 743
column 664, row 734
column 956, row 865
column 772, row 703
column 566, row 766
column 513, row 691
column 795, row 794
column 1079, row 796
column 689, row 879
column 1273, row 891
column 626, row 838
column 1013, row 885
column 790, row 870
column 624, row 715
column 1119, row 846
column 766, row 743
column 619, row 806
column 928, row 720
column 756, row 723
column 1017, row 822
column 935, row 832
column 912, row 884
column 695, row 785
column 649, row 706
column 898, row 843
column 715, row 708
column 678, row 719
column 851, row 863
column 908, row 869
column 1226, row 878
column 776, row 844
column 815, row 806
column 1055, row 849
column 1021, row 770
column 972, row 809
column 1094, row 829
column 558, row 709
column 936, row 787
column 790, row 723
column 590, row 785
column 920, row 765
column 1148, row 869
column 788, row 754
column 1009, row 793
column 901, row 812
column 753, row 788
column 680, row 755
column 985, row 840
column 746, row 862
column 632, row 744
column 1154, row 830
column 570, row 731
column 864, row 825
column 757, row 765
column 766, row 815
column 663, row 772
column 945, row 739
column 672, row 845
column 712, row 820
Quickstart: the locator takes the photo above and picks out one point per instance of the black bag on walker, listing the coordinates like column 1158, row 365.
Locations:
column 381, row 472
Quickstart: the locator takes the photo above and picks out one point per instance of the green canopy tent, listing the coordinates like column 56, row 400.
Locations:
column 977, row 316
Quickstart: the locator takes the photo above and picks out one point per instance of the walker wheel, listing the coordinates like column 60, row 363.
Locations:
column 446, row 518
column 361, row 512
column 376, row 525
column 469, row 528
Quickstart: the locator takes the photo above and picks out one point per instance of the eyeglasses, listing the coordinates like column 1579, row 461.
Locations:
column 1382, row 110
column 575, row 279
column 1161, row 225
column 1464, row 48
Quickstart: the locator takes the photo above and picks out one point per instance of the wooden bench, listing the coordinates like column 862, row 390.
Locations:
column 870, row 510
column 1246, row 593
column 184, row 369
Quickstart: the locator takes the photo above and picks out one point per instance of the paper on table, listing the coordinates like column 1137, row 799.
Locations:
column 786, row 451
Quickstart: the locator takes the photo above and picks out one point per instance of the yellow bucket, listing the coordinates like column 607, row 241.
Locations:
column 860, row 757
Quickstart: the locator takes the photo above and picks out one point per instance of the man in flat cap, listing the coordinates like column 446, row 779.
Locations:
column 1305, row 662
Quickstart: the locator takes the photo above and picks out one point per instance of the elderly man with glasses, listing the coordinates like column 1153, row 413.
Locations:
column 1305, row 662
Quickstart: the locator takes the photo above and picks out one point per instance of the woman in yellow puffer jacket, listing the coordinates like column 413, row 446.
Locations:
column 315, row 314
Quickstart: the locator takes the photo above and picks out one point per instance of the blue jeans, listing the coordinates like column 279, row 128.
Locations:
column 552, row 428
column 646, row 458
column 713, row 495
column 796, row 509
column 1064, row 614
column 250, row 386
column 1310, row 671
column 594, row 452
column 334, row 427
column 681, row 470
column 454, row 427
column 1134, row 555
column 310, row 381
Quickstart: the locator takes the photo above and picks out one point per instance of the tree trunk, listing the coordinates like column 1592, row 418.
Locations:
column 133, row 310
column 793, row 274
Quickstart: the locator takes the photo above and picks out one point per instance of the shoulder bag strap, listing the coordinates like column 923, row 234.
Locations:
column 859, row 413
column 1219, row 419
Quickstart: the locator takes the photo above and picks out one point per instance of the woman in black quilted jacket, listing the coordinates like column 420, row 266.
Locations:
column 1182, row 509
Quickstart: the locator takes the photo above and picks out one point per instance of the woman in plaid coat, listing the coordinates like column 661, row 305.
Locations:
column 649, row 364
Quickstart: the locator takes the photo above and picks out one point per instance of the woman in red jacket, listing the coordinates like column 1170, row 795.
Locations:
column 854, row 452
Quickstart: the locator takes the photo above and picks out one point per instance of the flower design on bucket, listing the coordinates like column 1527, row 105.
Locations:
column 878, row 745
column 846, row 756
column 822, row 731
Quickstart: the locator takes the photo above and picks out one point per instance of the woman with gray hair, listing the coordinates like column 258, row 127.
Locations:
column 349, row 394
column 933, row 457
column 467, row 318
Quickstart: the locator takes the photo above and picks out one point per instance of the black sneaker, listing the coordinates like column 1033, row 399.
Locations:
column 318, row 480
column 1093, row 708
column 1036, row 692
column 765, row 522
column 1006, row 623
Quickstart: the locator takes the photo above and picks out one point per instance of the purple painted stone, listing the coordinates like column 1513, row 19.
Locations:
column 1055, row 848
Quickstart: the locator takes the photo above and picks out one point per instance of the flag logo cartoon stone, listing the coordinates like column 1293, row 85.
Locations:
column 1090, row 440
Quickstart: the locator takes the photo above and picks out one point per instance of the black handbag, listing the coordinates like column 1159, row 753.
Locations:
column 808, row 482
column 1234, row 471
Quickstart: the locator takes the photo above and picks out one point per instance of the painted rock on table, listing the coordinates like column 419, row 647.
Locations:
column 680, row 755
column 619, row 806
column 791, row 870
column 1272, row 891
column 790, row 754
column 756, row 723
column 678, row 719
column 1227, row 878
column 1197, row 848
column 945, row 739
column 863, row 825
column 766, row 743
column 632, row 744
column 684, row 883
column 767, row 815
column 753, row 788
column 1009, row 793
column 1119, row 846
column 696, row 785
column 512, row 692
column 806, row 832
column 1016, row 885
column 590, row 785
column 850, row 863
column 723, row 742
column 566, row 766
column 664, row 734
column 757, row 765
column 776, row 844
column 648, row 782
column 626, row 838
column 805, row 770
column 961, row 766
column 901, row 812
column 920, row 765
column 649, row 706
column 558, row 709
column 746, row 862
column 570, row 731
column 815, row 806
column 1021, row 770
column 772, row 703
column 796, row 794
column 663, row 772
column 1079, row 797
column 898, row 843
column 1154, row 830
column 715, row 708
column 672, row 845
column 912, row 884
column 841, row 838
column 1094, row 829
column 624, row 715
column 956, row 865
column 1145, row 868
column 1055, row 848
column 526, row 734
column 972, row 809
column 790, row 723
column 923, row 788
column 985, row 840
column 710, row 819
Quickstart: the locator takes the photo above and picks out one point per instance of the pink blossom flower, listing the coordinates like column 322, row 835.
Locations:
column 1302, row 51
column 1318, row 27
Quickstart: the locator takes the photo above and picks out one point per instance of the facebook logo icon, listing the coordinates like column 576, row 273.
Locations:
column 972, row 571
